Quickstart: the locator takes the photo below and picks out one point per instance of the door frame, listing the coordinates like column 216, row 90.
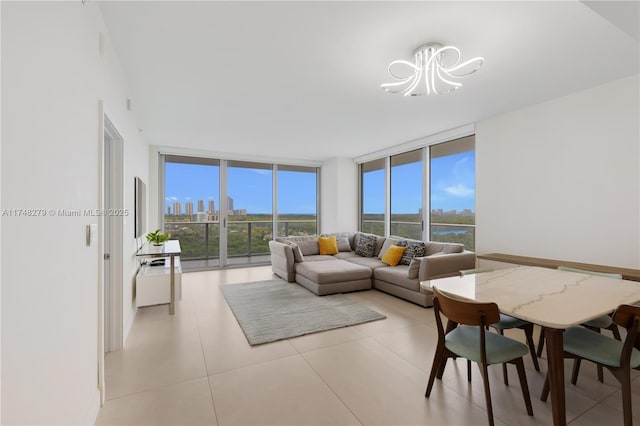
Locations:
column 110, row 335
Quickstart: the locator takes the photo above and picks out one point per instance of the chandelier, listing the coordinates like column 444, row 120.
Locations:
column 434, row 70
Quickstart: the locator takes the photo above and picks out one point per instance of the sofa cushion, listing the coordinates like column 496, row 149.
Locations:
column 397, row 276
column 318, row 257
column 414, row 268
column 308, row 244
column 434, row 247
column 343, row 244
column 388, row 242
column 350, row 236
column 332, row 271
column 369, row 262
column 345, row 255
column 393, row 255
column 414, row 249
column 328, row 245
column 297, row 253
column 366, row 245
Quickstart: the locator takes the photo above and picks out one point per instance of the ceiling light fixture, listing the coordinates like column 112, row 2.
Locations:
column 434, row 65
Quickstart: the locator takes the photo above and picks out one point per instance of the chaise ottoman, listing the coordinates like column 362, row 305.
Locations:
column 333, row 276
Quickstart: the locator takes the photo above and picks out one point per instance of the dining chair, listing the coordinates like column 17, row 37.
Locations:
column 596, row 324
column 507, row 322
column 466, row 337
column 616, row 356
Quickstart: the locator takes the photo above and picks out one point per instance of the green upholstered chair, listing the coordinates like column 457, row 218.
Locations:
column 616, row 356
column 596, row 324
column 466, row 337
column 508, row 322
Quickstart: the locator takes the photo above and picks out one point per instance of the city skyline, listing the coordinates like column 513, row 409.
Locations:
column 250, row 189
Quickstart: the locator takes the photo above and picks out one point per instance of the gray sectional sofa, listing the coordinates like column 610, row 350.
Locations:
column 298, row 259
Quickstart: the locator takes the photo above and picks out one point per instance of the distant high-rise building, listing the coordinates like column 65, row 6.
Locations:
column 200, row 206
column 168, row 210
column 212, row 206
column 188, row 208
column 177, row 208
column 229, row 203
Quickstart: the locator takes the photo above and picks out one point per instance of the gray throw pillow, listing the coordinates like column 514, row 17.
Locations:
column 297, row 252
column 414, row 268
column 414, row 249
column 366, row 245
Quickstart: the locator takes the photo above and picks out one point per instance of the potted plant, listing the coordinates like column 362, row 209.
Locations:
column 157, row 238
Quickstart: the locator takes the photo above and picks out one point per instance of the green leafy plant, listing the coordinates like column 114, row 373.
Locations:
column 157, row 237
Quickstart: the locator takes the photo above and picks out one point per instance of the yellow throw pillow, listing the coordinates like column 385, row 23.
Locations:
column 328, row 245
column 393, row 255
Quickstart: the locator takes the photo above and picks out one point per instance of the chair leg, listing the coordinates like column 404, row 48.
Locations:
column 443, row 364
column 625, row 384
column 524, row 385
column 469, row 370
column 545, row 389
column 600, row 374
column 576, row 370
column 487, row 392
column 616, row 332
column 505, row 373
column 528, row 332
column 540, row 342
column 435, row 368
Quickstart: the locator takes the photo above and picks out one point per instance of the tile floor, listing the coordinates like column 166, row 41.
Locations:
column 197, row 368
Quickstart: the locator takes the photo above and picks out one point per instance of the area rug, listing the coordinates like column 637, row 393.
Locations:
column 274, row 310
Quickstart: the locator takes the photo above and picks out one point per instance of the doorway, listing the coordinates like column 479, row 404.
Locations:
column 110, row 300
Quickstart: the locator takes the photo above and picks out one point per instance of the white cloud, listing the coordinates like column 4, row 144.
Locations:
column 262, row 172
column 459, row 190
column 171, row 199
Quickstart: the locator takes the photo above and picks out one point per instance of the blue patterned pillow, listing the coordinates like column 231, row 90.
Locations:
column 366, row 245
column 414, row 249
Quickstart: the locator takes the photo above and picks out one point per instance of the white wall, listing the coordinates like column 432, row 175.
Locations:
column 339, row 195
column 561, row 179
column 52, row 80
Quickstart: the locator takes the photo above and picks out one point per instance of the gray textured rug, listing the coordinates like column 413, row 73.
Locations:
column 274, row 310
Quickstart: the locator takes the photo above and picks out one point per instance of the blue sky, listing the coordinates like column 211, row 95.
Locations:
column 452, row 187
column 249, row 188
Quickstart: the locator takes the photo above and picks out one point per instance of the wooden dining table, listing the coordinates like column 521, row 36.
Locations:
column 550, row 298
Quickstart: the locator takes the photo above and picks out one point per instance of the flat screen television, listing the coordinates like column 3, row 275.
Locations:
column 140, row 208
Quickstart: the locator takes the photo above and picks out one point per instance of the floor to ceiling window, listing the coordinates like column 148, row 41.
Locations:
column 406, row 194
column 249, row 210
column 453, row 191
column 373, row 198
column 297, row 200
column 223, row 211
column 449, row 209
column 191, row 202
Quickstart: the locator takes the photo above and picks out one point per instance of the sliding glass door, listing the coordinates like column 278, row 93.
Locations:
column 191, row 200
column 249, row 211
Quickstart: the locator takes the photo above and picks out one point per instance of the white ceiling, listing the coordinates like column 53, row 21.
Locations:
column 301, row 79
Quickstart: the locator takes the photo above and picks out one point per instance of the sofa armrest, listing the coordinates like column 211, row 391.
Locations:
column 282, row 260
column 445, row 265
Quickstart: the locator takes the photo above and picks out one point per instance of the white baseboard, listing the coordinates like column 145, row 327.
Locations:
column 129, row 324
column 94, row 408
